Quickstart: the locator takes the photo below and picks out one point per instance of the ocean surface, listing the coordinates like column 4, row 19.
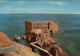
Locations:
column 69, row 24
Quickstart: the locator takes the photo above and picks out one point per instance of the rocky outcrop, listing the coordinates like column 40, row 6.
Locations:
column 55, row 50
column 5, row 41
column 39, row 38
column 42, row 38
column 21, row 51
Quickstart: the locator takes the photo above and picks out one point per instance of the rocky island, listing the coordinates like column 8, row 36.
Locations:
column 38, row 34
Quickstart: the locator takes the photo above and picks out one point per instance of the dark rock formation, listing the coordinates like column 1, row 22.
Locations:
column 42, row 38
column 55, row 50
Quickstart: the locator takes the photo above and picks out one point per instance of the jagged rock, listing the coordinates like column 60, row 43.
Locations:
column 42, row 38
column 55, row 50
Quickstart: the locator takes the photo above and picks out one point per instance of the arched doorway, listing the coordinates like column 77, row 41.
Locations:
column 51, row 32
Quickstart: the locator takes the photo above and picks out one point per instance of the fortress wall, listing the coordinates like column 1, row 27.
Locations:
column 55, row 27
column 46, row 26
column 40, row 25
column 28, row 27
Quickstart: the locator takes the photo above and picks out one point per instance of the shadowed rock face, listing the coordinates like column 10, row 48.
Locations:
column 43, row 39
column 55, row 50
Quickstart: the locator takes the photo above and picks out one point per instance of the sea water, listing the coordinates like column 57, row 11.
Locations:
column 69, row 24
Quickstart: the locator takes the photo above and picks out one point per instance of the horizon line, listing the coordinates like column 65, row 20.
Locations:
column 39, row 13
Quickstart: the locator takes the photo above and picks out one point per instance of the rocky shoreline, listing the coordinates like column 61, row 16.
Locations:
column 22, row 50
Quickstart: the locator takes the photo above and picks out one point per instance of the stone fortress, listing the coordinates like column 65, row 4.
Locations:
column 49, row 26
column 39, row 34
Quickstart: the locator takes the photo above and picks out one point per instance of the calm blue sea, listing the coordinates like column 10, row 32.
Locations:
column 69, row 24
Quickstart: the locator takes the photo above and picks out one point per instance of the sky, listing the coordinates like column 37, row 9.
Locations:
column 47, row 7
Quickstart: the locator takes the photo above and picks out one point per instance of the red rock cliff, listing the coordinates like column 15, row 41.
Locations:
column 21, row 51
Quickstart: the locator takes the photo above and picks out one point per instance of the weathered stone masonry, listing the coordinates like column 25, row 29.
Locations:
column 51, row 27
